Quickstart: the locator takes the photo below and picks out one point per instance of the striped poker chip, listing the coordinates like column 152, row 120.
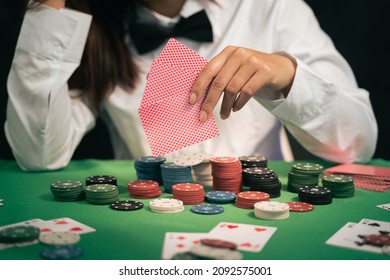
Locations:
column 271, row 210
column 219, row 243
column 220, row 197
column 20, row 233
column 126, row 205
column 296, row 206
column 61, row 252
column 207, row 209
column 59, row 238
column 188, row 159
column 378, row 240
column 166, row 205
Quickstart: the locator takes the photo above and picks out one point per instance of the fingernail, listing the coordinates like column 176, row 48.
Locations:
column 192, row 98
column 203, row 116
column 224, row 117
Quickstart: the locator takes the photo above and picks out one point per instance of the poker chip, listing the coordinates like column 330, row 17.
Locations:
column 188, row 159
column 174, row 174
column 215, row 253
column 59, row 238
column 207, row 209
column 186, row 256
column 342, row 186
column 263, row 180
column 315, row 195
column 219, row 243
column 378, row 240
column 271, row 210
column 188, row 193
column 253, row 161
column 21, row 233
column 247, row 199
column 126, row 205
column 220, row 197
column 227, row 174
column 166, row 205
column 296, row 206
column 201, row 173
column 303, row 174
column 148, row 168
column 144, row 189
column 67, row 190
column 61, row 252
column 101, row 179
column 101, row 193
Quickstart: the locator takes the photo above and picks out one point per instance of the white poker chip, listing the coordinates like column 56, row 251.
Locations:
column 188, row 159
column 165, row 204
column 215, row 253
column 168, row 211
column 386, row 250
column 271, row 210
column 59, row 238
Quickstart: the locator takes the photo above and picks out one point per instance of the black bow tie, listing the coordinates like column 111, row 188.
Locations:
column 148, row 36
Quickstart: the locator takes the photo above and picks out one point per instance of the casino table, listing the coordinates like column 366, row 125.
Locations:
column 139, row 235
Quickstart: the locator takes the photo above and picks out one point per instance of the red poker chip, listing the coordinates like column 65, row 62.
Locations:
column 300, row 206
column 218, row 243
column 377, row 239
column 253, row 195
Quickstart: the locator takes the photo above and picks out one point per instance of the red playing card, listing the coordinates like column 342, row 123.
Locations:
column 169, row 121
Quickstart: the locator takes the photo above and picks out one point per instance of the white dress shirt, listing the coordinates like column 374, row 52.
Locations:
column 325, row 110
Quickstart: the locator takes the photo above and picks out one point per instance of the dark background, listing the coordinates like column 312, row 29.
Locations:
column 359, row 29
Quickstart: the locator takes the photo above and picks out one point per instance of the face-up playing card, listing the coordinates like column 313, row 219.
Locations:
column 64, row 224
column 179, row 242
column 170, row 122
column 351, row 235
column 384, row 206
column 32, row 222
column 251, row 238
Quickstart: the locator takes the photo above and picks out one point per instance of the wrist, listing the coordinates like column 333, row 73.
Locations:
column 56, row 4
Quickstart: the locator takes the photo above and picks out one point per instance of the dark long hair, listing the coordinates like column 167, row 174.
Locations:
column 106, row 61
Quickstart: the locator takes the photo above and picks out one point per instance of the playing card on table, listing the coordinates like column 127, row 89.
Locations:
column 180, row 242
column 251, row 238
column 170, row 122
column 65, row 224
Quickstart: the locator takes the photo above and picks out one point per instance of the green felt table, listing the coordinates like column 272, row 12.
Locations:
column 139, row 235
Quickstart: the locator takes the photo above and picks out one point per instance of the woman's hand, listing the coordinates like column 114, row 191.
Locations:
column 56, row 4
column 238, row 73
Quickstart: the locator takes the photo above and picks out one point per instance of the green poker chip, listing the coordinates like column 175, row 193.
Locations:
column 342, row 186
column 67, row 190
column 101, row 193
column 15, row 234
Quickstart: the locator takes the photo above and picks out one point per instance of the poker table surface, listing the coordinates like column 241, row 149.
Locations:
column 139, row 235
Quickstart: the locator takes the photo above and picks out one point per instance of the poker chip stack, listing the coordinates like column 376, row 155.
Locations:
column 101, row 179
column 148, row 168
column 101, row 193
column 174, row 174
column 61, row 252
column 166, row 205
column 207, row 209
column 253, row 161
column 67, row 190
column 303, row 174
column 220, row 197
column 262, row 179
column 247, row 199
column 200, row 165
column 189, row 193
column 227, row 174
column 143, row 189
column 315, row 195
column 271, row 210
column 342, row 186
column 211, row 249
column 19, row 234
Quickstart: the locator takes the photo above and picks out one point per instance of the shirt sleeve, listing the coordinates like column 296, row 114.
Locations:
column 325, row 110
column 44, row 123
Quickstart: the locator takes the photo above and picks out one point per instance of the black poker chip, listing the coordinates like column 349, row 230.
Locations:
column 315, row 195
column 101, row 179
column 126, row 205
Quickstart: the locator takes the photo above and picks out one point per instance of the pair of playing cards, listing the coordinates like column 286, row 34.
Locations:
column 376, row 178
column 250, row 238
column 169, row 121
column 55, row 225
column 351, row 235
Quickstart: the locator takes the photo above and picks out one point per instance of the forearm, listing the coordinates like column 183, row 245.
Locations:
column 44, row 125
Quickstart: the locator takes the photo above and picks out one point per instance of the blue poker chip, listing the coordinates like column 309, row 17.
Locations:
column 207, row 209
column 220, row 197
column 61, row 252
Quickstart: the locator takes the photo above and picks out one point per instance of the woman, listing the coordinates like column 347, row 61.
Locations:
column 269, row 63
